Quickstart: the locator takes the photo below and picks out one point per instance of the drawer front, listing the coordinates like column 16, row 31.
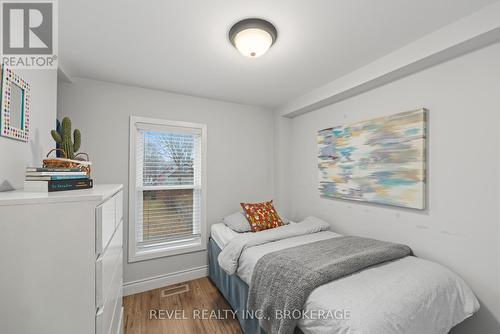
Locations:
column 106, row 313
column 107, row 264
column 105, row 224
column 120, row 323
column 117, row 326
column 119, row 207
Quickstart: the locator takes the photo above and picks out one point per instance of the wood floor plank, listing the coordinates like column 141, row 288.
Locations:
column 150, row 300
column 219, row 303
column 195, row 311
column 132, row 314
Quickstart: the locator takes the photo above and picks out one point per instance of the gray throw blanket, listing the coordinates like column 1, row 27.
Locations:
column 283, row 280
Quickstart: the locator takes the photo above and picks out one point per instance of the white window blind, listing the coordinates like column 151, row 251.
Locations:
column 168, row 186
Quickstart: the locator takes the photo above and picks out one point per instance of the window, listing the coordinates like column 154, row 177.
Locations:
column 167, row 192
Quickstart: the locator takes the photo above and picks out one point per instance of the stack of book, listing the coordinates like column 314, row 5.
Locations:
column 40, row 179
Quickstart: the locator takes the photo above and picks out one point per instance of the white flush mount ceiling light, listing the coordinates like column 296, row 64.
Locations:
column 253, row 37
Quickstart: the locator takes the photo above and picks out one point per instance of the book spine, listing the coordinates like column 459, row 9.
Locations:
column 69, row 177
column 61, row 185
column 55, row 178
column 47, row 169
column 80, row 173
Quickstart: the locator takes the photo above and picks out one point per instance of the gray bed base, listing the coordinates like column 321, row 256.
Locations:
column 234, row 290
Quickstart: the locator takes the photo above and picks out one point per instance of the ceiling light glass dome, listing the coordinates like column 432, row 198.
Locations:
column 253, row 37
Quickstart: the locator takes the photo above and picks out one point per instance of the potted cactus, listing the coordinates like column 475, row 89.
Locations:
column 62, row 137
column 67, row 145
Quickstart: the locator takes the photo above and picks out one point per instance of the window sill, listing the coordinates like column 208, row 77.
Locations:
column 167, row 250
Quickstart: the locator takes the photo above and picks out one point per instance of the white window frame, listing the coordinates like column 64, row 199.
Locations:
column 172, row 248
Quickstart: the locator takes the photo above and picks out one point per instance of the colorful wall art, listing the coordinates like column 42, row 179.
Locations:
column 15, row 105
column 381, row 160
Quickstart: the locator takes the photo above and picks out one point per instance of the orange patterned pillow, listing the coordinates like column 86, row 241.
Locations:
column 261, row 216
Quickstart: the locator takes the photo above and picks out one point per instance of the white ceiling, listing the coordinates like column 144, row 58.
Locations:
column 182, row 45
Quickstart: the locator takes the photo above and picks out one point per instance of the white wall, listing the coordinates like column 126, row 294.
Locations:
column 239, row 152
column 282, row 149
column 17, row 155
column 460, row 228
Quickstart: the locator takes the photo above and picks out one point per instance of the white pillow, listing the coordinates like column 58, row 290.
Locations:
column 237, row 222
column 312, row 219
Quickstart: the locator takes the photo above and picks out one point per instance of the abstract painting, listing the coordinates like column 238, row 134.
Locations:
column 381, row 160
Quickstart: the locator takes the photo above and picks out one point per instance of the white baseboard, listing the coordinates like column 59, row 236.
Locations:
column 152, row 283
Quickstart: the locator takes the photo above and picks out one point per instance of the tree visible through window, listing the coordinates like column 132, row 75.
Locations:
column 169, row 158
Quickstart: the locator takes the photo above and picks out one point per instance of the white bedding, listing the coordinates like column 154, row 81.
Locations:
column 230, row 255
column 222, row 234
column 406, row 296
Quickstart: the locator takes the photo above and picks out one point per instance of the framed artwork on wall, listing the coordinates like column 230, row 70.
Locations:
column 381, row 160
column 15, row 106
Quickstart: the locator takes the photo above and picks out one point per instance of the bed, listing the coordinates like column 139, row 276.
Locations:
column 405, row 296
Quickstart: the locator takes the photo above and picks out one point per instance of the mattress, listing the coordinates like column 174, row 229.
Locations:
column 406, row 296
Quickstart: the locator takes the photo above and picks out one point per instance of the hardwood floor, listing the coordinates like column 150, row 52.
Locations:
column 200, row 310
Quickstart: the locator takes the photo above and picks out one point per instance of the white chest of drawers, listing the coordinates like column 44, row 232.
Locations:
column 61, row 259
